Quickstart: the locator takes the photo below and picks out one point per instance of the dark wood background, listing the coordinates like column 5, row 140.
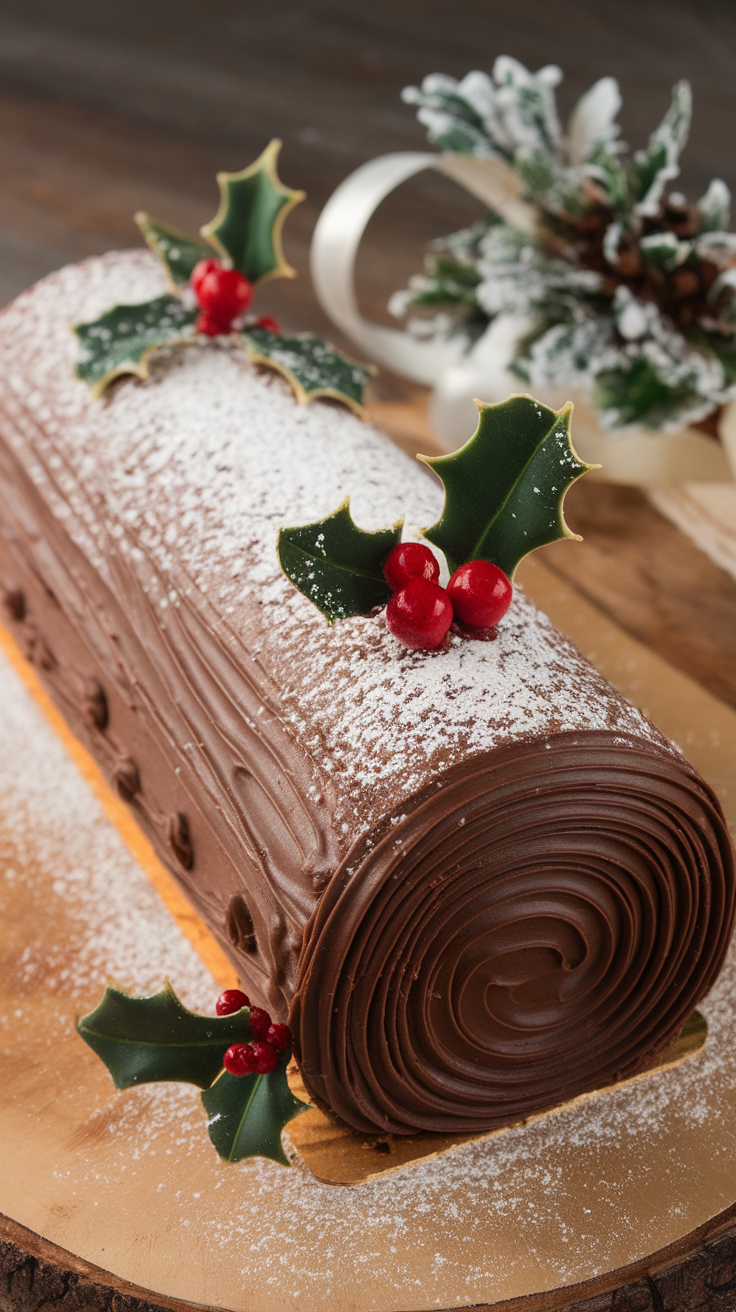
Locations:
column 109, row 107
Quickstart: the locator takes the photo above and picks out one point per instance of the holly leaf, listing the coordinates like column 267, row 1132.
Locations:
column 337, row 565
column 123, row 340
column 145, row 1039
column 248, row 1112
column 177, row 252
column 246, row 231
column 505, row 488
column 310, row 365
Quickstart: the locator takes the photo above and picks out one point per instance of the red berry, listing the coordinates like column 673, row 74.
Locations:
column 419, row 614
column 209, row 326
column 231, row 1001
column 265, row 1057
column 200, row 272
column 222, row 293
column 410, row 560
column 259, row 1021
column 279, row 1036
column 480, row 594
column 271, row 325
column 240, row 1059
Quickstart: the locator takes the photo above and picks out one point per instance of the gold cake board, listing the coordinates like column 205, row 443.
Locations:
column 100, row 1185
column 336, row 1154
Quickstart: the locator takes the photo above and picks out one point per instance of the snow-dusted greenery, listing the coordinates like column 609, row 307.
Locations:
column 627, row 291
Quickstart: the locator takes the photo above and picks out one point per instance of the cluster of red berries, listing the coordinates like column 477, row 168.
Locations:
column 420, row 612
column 223, row 295
column 269, row 1038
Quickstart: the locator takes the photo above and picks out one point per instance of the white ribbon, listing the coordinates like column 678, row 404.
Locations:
column 342, row 224
column 458, row 374
column 334, row 248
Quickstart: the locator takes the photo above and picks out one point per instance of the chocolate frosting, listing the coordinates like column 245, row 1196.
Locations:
column 541, row 925
column 478, row 881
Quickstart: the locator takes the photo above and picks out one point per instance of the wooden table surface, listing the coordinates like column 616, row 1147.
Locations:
column 108, row 108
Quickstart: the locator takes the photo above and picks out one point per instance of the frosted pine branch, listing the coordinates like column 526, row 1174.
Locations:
column 627, row 289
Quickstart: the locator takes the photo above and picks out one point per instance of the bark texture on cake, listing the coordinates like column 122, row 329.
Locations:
column 478, row 880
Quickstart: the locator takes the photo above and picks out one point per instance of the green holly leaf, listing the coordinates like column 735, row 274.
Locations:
column 310, row 365
column 505, row 488
column 337, row 565
column 123, row 340
column 177, row 252
column 145, row 1039
column 248, row 1112
column 246, row 231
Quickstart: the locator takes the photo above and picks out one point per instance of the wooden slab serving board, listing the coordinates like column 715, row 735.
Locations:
column 117, row 1199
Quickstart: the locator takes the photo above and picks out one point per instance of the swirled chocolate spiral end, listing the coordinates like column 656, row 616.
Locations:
column 540, row 925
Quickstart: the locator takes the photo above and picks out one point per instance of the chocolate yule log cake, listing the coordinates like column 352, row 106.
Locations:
column 476, row 881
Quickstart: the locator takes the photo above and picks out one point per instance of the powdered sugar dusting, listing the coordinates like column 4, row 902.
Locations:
column 57, row 841
column 192, row 474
